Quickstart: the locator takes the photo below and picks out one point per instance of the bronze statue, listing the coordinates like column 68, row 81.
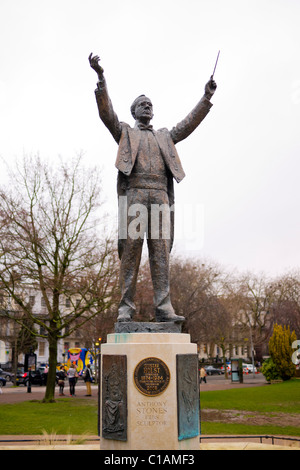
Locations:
column 148, row 162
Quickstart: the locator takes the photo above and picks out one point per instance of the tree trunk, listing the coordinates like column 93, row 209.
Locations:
column 224, row 360
column 51, row 379
column 15, row 361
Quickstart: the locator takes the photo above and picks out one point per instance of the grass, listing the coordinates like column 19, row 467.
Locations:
column 277, row 398
column 53, row 439
column 66, row 416
column 244, row 429
column 78, row 416
column 283, row 397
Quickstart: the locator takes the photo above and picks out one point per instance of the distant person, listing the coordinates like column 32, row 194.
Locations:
column 61, row 380
column 202, row 375
column 88, row 378
column 72, row 374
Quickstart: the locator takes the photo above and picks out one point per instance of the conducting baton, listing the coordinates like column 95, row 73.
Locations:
column 215, row 66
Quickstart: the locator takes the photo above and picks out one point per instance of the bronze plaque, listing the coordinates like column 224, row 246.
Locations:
column 151, row 376
column 114, row 397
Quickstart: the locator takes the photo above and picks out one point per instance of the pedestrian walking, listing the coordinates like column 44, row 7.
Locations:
column 88, row 380
column 61, row 380
column 72, row 374
column 202, row 375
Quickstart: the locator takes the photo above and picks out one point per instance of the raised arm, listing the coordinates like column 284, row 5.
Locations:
column 105, row 107
column 184, row 128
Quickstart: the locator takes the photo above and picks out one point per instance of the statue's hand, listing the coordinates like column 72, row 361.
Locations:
column 94, row 63
column 210, row 88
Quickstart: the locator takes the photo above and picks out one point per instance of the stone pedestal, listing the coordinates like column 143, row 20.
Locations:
column 150, row 392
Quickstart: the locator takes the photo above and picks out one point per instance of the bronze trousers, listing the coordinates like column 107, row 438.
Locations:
column 148, row 215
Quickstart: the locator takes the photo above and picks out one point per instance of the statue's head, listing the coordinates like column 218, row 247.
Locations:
column 142, row 109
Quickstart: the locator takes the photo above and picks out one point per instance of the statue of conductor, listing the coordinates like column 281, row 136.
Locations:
column 147, row 163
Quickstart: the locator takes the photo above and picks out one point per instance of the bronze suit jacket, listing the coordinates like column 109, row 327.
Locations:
column 128, row 139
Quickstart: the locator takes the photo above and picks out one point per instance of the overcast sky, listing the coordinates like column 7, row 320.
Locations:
column 239, row 203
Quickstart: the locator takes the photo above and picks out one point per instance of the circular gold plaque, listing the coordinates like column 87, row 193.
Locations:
column 151, row 376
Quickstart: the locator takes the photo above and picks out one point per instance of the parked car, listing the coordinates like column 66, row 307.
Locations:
column 249, row 368
column 37, row 377
column 2, row 382
column 7, row 375
column 210, row 370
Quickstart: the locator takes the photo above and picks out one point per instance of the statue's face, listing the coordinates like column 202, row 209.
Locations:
column 144, row 109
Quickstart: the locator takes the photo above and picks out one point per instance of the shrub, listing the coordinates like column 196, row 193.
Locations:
column 270, row 371
column 280, row 348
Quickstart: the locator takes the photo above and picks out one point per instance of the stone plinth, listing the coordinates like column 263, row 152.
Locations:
column 146, row 403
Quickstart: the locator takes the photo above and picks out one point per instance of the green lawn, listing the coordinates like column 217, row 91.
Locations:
column 243, row 429
column 79, row 416
column 281, row 397
column 66, row 416
column 278, row 398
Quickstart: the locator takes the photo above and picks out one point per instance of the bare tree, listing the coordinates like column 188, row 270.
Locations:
column 195, row 286
column 286, row 307
column 50, row 240
column 251, row 299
